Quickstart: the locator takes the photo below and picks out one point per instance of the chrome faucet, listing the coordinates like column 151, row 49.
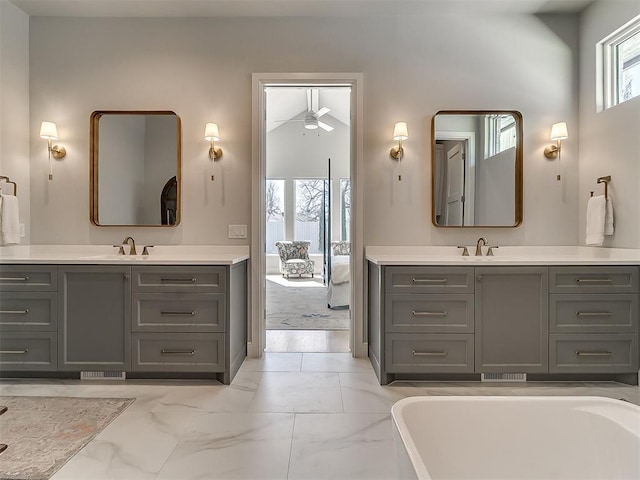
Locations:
column 131, row 242
column 481, row 242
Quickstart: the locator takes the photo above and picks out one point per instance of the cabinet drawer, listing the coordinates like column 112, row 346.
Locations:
column 599, row 313
column 614, row 353
column 28, row 311
column 28, row 278
column 429, row 280
column 606, row 279
column 178, row 352
column 22, row 351
column 420, row 353
column 429, row 313
column 178, row 312
column 179, row 279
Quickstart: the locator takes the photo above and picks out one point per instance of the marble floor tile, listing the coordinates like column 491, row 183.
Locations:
column 134, row 446
column 233, row 446
column 307, row 341
column 214, row 398
column 298, row 392
column 273, row 362
column 343, row 446
column 335, row 362
column 361, row 393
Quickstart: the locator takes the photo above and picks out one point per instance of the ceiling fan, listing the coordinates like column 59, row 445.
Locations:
column 313, row 113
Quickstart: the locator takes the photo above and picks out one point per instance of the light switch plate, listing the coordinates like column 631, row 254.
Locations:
column 237, row 231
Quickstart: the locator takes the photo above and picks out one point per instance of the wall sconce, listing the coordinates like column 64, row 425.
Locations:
column 399, row 133
column 212, row 134
column 49, row 132
column 558, row 133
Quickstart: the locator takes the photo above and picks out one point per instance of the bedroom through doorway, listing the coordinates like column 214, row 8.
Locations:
column 307, row 218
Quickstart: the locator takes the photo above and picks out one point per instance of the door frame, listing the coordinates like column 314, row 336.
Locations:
column 470, row 168
column 256, row 331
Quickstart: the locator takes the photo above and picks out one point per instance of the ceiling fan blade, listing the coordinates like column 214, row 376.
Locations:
column 324, row 126
column 314, row 99
column 308, row 99
column 290, row 120
column 322, row 111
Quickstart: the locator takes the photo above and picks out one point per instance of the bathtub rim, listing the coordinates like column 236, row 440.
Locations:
column 401, row 428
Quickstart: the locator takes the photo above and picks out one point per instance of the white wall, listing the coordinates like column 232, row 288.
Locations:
column 609, row 140
column 14, row 105
column 201, row 69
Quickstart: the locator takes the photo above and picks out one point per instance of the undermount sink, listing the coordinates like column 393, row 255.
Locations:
column 124, row 258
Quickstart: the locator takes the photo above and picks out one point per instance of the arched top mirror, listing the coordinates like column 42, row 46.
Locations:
column 135, row 168
column 476, row 168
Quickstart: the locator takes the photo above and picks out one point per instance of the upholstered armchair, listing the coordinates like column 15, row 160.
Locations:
column 341, row 248
column 294, row 258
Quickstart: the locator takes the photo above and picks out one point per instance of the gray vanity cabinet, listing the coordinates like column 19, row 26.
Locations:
column 189, row 319
column 594, row 319
column 511, row 314
column 28, row 318
column 95, row 318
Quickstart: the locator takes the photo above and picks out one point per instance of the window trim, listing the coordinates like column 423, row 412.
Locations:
column 607, row 63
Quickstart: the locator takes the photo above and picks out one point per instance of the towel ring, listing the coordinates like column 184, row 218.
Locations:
column 8, row 180
column 606, row 181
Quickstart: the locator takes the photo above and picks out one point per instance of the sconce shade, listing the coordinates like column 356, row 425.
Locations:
column 48, row 131
column 400, row 131
column 559, row 131
column 211, row 132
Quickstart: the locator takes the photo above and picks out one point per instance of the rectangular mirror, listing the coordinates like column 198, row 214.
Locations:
column 476, row 168
column 135, row 168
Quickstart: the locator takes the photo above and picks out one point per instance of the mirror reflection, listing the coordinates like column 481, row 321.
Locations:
column 135, row 168
column 477, row 169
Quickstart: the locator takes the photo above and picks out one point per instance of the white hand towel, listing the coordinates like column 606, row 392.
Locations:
column 9, row 219
column 596, row 209
column 608, row 218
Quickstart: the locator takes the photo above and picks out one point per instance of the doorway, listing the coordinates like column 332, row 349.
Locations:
column 326, row 221
column 307, row 213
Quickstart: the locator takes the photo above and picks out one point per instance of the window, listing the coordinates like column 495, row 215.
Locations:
column 620, row 64
column 345, row 208
column 275, row 213
column 310, row 200
column 500, row 133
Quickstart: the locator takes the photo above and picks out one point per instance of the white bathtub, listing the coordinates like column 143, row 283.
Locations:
column 517, row 437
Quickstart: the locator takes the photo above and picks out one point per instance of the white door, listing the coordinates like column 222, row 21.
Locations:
column 455, row 185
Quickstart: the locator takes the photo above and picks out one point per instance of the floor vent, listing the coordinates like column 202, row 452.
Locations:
column 103, row 376
column 504, row 377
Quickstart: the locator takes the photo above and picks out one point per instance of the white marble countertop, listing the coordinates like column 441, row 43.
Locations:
column 108, row 255
column 504, row 255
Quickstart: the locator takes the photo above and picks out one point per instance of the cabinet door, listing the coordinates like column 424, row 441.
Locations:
column 94, row 318
column 512, row 319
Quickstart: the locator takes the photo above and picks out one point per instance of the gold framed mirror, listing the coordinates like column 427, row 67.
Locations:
column 476, row 168
column 135, row 168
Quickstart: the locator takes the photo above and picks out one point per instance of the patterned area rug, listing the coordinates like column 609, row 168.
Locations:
column 43, row 433
column 301, row 304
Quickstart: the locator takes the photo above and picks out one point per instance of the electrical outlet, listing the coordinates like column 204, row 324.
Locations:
column 21, row 228
column 237, row 231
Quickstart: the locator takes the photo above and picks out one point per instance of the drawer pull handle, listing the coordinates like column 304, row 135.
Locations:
column 14, row 352
column 429, row 280
column 429, row 314
column 15, row 312
column 594, row 280
column 177, row 352
column 164, row 312
column 14, row 279
column 593, row 314
column 190, row 280
column 593, row 354
column 430, row 354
